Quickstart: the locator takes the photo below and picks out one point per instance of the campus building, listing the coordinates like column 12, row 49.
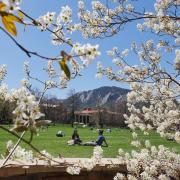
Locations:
column 100, row 117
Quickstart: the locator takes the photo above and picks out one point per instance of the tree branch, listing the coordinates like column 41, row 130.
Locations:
column 27, row 52
column 33, row 147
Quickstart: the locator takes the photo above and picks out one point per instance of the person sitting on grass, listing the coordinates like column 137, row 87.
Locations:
column 101, row 139
column 75, row 137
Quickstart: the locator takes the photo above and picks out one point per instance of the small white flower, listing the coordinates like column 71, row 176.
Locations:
column 119, row 176
column 140, row 27
column 73, row 170
column 65, row 15
column 125, row 52
column 134, row 135
column 98, row 75
column 12, row 5
column 46, row 20
column 130, row 7
column 147, row 144
column 177, row 60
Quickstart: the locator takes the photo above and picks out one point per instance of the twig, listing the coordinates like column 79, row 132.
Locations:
column 27, row 52
column 44, row 91
column 33, row 147
column 37, row 23
column 14, row 148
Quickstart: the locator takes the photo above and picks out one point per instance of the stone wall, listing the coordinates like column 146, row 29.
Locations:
column 56, row 172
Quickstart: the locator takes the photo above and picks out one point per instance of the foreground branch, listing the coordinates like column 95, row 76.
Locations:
column 33, row 147
column 27, row 52
column 14, row 148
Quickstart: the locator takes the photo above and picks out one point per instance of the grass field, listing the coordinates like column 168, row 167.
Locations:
column 118, row 138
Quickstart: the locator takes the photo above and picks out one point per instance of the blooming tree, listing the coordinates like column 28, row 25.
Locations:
column 154, row 79
column 152, row 82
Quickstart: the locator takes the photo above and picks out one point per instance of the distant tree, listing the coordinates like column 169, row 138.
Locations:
column 54, row 109
column 51, row 106
column 73, row 105
column 99, row 107
column 36, row 92
column 6, row 115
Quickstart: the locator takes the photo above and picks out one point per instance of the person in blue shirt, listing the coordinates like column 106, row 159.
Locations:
column 100, row 141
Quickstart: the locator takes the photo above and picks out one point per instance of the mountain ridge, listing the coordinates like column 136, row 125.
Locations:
column 104, row 96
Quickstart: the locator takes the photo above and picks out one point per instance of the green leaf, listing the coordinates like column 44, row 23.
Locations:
column 65, row 68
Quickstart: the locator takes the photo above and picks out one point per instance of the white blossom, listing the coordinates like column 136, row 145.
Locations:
column 45, row 21
column 177, row 60
column 125, row 52
column 58, row 36
column 12, row 5
column 73, row 170
column 86, row 52
column 65, row 15
column 98, row 75
column 119, row 176
column 134, row 135
column 3, row 71
column 177, row 137
column 140, row 27
column 19, row 153
column 130, row 7
column 81, row 4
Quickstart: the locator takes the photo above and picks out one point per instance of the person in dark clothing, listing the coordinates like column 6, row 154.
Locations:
column 75, row 137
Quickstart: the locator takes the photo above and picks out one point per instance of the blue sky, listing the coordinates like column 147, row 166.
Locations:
column 34, row 40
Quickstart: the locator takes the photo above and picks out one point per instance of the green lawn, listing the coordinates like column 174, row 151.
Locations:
column 118, row 138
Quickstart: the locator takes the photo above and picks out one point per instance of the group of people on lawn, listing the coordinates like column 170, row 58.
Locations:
column 101, row 141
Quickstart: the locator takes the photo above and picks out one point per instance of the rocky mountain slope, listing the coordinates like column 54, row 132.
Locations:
column 104, row 96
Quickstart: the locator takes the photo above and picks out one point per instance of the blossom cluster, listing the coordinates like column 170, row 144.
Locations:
column 3, row 71
column 149, row 163
column 12, row 5
column 80, row 55
column 86, row 52
column 151, row 85
column 63, row 80
column 19, row 153
column 58, row 36
column 65, row 15
column 88, row 164
column 27, row 110
column 177, row 60
column 4, row 95
column 161, row 111
column 104, row 21
column 98, row 21
column 24, row 155
column 46, row 20
column 163, row 19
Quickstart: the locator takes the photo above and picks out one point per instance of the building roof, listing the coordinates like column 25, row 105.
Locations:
column 87, row 111
column 90, row 111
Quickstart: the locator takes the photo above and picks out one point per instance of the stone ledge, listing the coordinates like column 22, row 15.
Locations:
column 16, row 170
